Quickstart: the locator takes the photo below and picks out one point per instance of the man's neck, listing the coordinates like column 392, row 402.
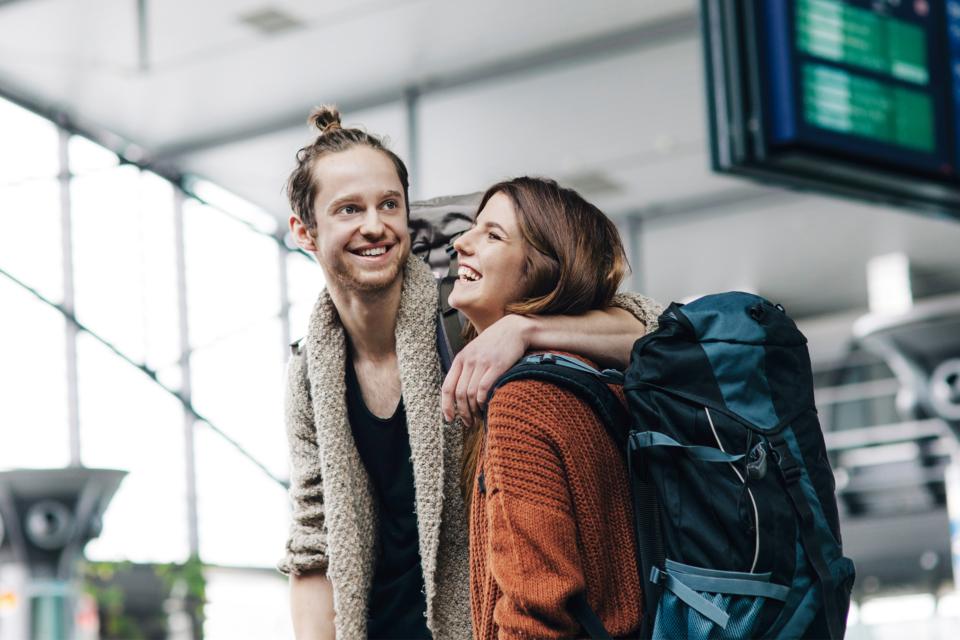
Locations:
column 370, row 320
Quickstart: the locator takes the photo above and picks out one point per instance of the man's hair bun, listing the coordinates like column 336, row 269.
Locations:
column 326, row 118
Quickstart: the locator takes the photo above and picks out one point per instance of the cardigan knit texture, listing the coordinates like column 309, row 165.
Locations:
column 334, row 519
column 555, row 520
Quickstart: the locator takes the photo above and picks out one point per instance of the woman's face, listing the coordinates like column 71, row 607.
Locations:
column 491, row 256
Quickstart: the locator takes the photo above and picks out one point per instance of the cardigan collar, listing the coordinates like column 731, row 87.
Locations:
column 420, row 380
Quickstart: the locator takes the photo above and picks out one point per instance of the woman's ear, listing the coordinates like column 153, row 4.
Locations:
column 301, row 234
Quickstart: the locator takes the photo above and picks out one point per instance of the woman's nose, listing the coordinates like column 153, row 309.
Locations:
column 460, row 245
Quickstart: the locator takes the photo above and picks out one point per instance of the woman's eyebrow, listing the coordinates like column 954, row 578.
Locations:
column 487, row 225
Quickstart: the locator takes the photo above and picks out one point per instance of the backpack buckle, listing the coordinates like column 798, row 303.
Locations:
column 788, row 468
column 656, row 575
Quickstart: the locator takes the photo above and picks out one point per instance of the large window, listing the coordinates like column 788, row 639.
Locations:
column 122, row 261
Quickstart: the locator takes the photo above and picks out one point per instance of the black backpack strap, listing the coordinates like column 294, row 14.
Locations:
column 449, row 330
column 587, row 618
column 812, row 538
column 646, row 513
column 590, row 385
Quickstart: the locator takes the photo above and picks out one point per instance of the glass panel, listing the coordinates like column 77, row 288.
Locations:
column 124, row 262
column 30, row 145
column 128, row 422
column 238, row 384
column 232, row 278
column 237, row 369
column 305, row 279
column 33, row 393
column 238, row 208
column 229, row 595
column 243, row 514
column 30, row 234
column 87, row 156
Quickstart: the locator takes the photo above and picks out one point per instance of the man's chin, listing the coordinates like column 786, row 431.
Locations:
column 368, row 281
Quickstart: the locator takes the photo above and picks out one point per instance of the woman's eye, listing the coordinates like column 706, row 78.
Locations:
column 493, row 236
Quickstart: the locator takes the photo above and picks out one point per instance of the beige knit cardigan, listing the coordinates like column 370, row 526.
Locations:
column 333, row 527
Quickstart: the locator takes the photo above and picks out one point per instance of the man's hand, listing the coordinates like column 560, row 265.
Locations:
column 480, row 363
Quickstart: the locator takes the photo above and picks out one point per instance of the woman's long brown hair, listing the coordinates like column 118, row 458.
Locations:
column 574, row 262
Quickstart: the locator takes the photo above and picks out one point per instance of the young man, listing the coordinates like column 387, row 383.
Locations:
column 378, row 543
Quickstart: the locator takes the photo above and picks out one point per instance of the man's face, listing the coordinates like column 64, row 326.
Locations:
column 362, row 240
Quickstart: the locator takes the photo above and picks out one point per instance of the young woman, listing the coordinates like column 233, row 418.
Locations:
column 552, row 520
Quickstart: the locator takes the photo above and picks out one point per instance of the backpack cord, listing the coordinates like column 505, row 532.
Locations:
column 756, row 516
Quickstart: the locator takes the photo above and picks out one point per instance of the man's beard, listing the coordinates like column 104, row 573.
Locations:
column 352, row 277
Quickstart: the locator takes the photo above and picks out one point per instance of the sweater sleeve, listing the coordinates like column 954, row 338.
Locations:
column 533, row 549
column 645, row 309
column 306, row 548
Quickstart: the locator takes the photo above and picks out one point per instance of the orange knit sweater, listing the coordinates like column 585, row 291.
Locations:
column 555, row 520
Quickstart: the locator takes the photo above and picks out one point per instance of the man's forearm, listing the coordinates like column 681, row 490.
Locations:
column 604, row 336
column 311, row 606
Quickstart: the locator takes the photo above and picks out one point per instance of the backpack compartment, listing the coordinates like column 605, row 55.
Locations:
column 710, row 505
column 735, row 456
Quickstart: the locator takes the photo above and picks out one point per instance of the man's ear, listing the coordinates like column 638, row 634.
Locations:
column 301, row 234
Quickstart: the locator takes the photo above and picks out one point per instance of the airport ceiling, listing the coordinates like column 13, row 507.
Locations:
column 221, row 89
column 183, row 79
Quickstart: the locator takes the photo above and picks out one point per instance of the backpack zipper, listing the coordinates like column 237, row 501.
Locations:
column 756, row 514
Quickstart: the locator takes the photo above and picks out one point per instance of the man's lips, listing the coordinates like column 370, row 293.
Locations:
column 372, row 250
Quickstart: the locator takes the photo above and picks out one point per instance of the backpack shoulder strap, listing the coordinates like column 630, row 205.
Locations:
column 449, row 330
column 589, row 384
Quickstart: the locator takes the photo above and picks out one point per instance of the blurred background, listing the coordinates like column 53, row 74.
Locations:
column 805, row 150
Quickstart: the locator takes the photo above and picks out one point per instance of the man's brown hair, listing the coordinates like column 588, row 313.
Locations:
column 303, row 185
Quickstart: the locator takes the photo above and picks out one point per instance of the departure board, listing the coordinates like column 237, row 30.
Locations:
column 856, row 96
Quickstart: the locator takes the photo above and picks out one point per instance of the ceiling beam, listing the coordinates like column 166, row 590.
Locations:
column 646, row 35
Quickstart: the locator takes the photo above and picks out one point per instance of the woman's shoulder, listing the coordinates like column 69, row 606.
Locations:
column 537, row 404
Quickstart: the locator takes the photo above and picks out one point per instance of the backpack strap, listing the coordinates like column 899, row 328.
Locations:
column 813, row 540
column 646, row 513
column 590, row 385
column 587, row 383
column 449, row 330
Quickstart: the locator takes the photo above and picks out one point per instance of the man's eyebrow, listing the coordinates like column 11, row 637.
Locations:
column 392, row 193
column 342, row 200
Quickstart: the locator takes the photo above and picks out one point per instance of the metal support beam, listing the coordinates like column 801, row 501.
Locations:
column 69, row 298
column 411, row 103
column 634, row 250
column 189, row 421
column 284, row 282
column 143, row 36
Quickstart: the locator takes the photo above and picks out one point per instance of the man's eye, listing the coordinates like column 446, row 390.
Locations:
column 348, row 209
column 391, row 204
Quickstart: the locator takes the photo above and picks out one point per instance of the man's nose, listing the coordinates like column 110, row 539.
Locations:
column 372, row 224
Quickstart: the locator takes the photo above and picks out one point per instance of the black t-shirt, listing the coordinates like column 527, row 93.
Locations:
column 397, row 603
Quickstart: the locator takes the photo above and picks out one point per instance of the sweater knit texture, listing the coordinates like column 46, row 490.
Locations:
column 555, row 520
column 334, row 520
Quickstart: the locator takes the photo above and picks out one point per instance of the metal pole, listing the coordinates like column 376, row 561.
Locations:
column 66, row 239
column 284, row 281
column 189, row 422
column 411, row 102
column 635, row 251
